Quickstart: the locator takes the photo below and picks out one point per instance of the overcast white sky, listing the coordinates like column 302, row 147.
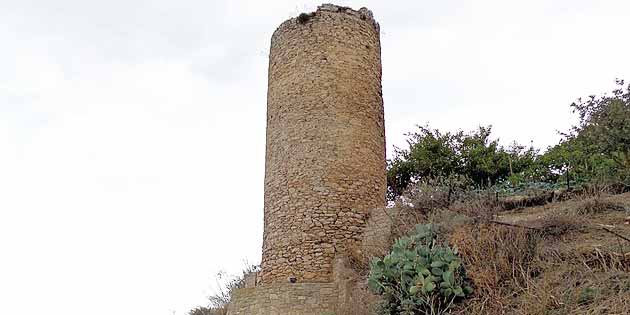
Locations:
column 132, row 133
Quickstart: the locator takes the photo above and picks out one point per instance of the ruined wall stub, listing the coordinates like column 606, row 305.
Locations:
column 286, row 299
column 325, row 158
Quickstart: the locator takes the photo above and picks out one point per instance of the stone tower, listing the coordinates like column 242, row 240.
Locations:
column 325, row 158
column 325, row 163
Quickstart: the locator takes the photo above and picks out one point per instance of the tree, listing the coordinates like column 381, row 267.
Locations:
column 483, row 160
column 430, row 154
column 433, row 154
column 598, row 148
column 605, row 125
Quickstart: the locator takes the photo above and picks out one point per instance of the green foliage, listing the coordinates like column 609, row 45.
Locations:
column 433, row 154
column 605, row 123
column 419, row 275
column 524, row 187
column 574, row 161
column 481, row 159
column 597, row 150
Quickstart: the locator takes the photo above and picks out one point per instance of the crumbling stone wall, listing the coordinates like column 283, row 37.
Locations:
column 286, row 299
column 331, row 298
column 325, row 158
column 377, row 235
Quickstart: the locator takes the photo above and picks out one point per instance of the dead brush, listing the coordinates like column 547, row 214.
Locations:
column 498, row 260
column 607, row 260
column 539, row 298
column 482, row 209
column 361, row 301
column 425, row 197
column 597, row 206
column 359, row 258
column 431, row 200
column 448, row 220
column 569, row 288
column 404, row 220
column 539, row 199
column 558, row 225
column 599, row 188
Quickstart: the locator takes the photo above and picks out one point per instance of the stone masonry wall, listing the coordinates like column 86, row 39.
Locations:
column 286, row 299
column 377, row 235
column 331, row 298
column 325, row 158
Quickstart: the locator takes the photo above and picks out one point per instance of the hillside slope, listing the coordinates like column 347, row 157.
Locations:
column 570, row 257
column 581, row 264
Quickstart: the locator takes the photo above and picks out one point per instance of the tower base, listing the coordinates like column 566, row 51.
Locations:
column 329, row 298
column 286, row 299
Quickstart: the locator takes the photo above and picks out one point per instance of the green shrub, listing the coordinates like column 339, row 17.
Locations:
column 419, row 276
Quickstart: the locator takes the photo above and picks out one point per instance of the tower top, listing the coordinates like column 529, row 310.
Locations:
column 363, row 14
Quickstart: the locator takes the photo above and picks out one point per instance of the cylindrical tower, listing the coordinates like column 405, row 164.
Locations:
column 325, row 159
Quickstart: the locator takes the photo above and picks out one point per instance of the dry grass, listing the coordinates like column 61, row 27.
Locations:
column 359, row 260
column 498, row 261
column 482, row 209
column 575, row 266
column 571, row 289
column 362, row 301
column 558, row 225
column 597, row 205
column 561, row 261
column 528, row 201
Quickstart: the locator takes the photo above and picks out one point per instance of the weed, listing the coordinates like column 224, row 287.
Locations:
column 587, row 295
column 305, row 17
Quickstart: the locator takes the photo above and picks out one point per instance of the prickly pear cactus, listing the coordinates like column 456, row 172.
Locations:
column 419, row 275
